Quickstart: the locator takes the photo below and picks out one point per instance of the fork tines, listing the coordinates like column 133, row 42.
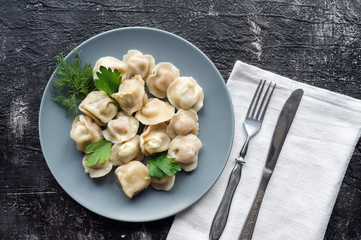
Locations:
column 254, row 109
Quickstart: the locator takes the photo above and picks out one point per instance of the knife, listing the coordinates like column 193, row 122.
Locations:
column 283, row 125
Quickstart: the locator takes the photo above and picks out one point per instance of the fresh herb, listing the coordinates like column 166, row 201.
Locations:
column 99, row 152
column 108, row 81
column 71, row 83
column 160, row 164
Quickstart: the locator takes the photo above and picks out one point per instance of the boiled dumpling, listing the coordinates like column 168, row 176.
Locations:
column 185, row 93
column 158, row 82
column 121, row 129
column 133, row 177
column 131, row 95
column 155, row 111
column 139, row 63
column 112, row 63
column 165, row 184
column 99, row 106
column 85, row 131
column 154, row 139
column 98, row 170
column 122, row 153
column 183, row 123
column 185, row 150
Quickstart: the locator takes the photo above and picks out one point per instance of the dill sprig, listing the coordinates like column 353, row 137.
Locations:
column 71, row 83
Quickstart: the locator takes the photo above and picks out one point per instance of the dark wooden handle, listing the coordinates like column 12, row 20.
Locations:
column 220, row 219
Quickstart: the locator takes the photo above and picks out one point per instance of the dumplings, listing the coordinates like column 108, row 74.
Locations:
column 185, row 93
column 122, row 153
column 112, row 63
column 166, row 183
column 139, row 63
column 121, row 129
column 133, row 177
column 183, row 123
column 154, row 139
column 158, row 82
column 85, row 131
column 155, row 111
column 98, row 170
column 99, row 106
column 117, row 119
column 131, row 95
column 185, row 150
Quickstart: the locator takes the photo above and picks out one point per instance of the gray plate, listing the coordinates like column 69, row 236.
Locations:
column 103, row 196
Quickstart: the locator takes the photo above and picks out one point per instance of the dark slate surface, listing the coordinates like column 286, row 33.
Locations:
column 316, row 42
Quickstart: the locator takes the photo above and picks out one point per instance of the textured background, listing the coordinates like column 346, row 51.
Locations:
column 316, row 42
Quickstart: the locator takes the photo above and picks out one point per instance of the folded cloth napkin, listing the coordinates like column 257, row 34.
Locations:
column 303, row 188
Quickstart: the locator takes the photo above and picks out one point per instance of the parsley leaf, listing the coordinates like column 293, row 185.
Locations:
column 160, row 164
column 71, row 83
column 108, row 81
column 99, row 152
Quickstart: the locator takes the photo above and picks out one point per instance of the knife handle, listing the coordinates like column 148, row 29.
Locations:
column 220, row 219
column 248, row 228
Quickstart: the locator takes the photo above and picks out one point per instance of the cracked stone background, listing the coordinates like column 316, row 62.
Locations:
column 311, row 41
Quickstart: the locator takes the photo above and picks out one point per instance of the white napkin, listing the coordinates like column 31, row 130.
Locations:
column 302, row 191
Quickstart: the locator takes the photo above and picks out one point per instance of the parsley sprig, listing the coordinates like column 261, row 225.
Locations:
column 72, row 83
column 108, row 80
column 98, row 152
column 160, row 165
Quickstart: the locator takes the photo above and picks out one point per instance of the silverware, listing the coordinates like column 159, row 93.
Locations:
column 252, row 124
column 283, row 125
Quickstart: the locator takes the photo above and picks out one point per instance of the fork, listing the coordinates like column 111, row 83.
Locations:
column 252, row 124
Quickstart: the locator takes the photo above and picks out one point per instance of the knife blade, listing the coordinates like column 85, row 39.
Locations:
column 283, row 125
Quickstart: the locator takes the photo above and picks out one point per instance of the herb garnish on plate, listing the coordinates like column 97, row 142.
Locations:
column 160, row 165
column 71, row 83
column 108, row 81
column 98, row 152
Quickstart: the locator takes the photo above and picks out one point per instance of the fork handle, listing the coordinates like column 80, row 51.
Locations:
column 244, row 149
column 220, row 218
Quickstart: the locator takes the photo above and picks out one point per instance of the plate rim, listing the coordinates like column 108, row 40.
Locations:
column 171, row 213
